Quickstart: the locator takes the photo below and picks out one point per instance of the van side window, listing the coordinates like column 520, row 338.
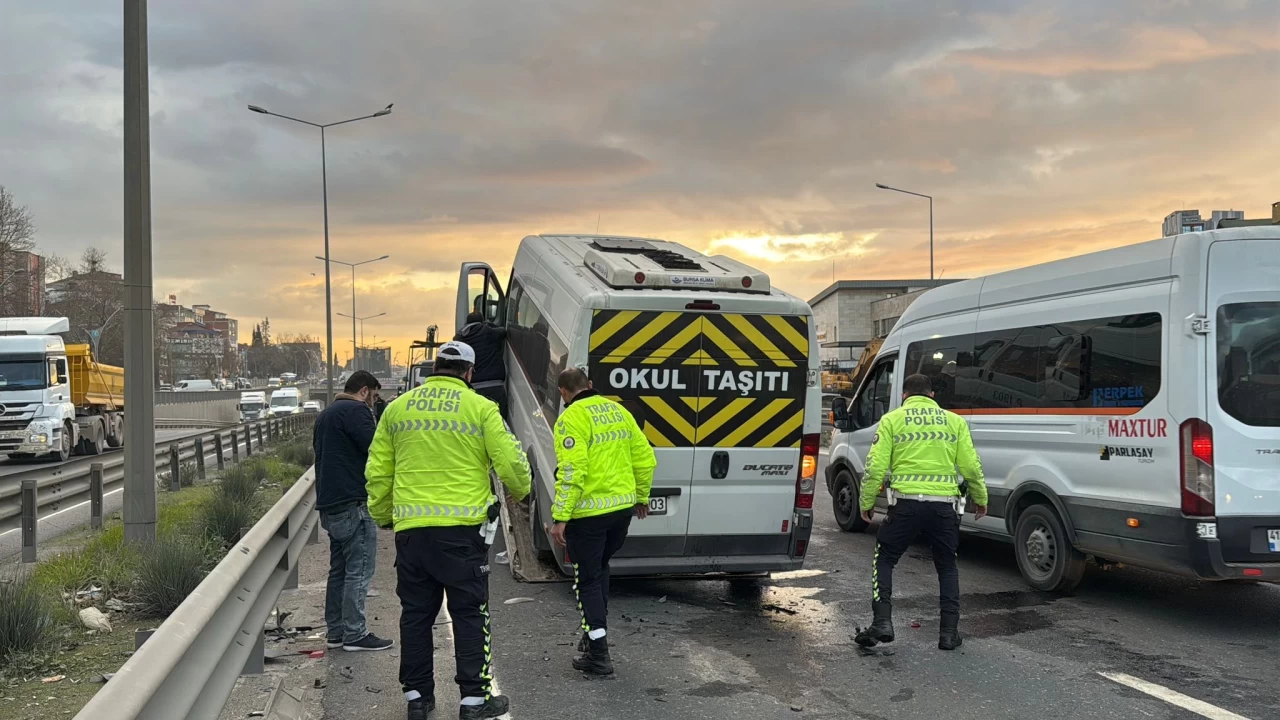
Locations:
column 876, row 396
column 1111, row 362
column 541, row 352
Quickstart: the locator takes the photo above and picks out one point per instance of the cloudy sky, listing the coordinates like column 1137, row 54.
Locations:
column 756, row 128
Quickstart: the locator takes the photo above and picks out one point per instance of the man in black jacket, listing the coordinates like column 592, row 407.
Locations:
column 490, row 371
column 343, row 433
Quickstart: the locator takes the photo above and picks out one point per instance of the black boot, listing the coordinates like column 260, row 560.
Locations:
column 419, row 709
column 881, row 630
column 948, row 631
column 595, row 661
column 493, row 707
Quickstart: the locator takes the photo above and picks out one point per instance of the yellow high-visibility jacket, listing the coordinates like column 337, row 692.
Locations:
column 430, row 459
column 921, row 445
column 604, row 462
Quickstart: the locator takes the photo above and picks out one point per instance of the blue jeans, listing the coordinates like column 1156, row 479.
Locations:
column 353, row 548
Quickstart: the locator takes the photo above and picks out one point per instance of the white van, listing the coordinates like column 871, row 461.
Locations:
column 194, row 386
column 1126, row 405
column 285, row 401
column 253, row 406
column 714, row 364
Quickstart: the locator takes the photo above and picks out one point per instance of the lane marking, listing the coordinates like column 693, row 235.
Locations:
column 1199, row 707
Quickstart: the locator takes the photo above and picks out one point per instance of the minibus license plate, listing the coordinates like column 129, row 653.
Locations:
column 658, row 506
column 1273, row 538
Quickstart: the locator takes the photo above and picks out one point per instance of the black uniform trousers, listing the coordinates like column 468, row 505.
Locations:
column 432, row 563
column 591, row 543
column 907, row 520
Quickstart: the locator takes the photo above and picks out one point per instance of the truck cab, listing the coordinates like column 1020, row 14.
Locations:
column 55, row 399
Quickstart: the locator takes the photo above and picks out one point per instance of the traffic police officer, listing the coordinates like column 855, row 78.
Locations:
column 604, row 474
column 920, row 445
column 428, row 472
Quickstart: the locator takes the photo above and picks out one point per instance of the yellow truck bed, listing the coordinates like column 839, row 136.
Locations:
column 93, row 383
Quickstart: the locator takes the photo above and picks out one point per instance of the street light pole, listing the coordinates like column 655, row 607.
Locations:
column 139, row 330
column 355, row 359
column 324, row 189
column 930, row 199
column 355, row 352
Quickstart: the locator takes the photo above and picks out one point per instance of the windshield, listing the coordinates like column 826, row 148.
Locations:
column 22, row 375
column 251, row 406
column 284, row 401
column 1249, row 362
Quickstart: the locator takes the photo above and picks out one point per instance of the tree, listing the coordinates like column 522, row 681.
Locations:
column 17, row 235
column 92, row 301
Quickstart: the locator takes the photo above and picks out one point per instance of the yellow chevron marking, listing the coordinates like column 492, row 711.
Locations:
column 697, row 403
column 673, row 418
column 726, row 413
column 800, row 342
column 700, row 358
column 750, row 426
column 735, row 353
column 616, row 323
column 656, row 437
column 672, row 346
column 635, row 342
column 786, row 428
column 758, row 339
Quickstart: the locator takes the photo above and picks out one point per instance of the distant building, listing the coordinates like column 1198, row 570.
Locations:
column 195, row 352
column 376, row 360
column 79, row 284
column 842, row 316
column 1242, row 222
column 23, row 292
column 1185, row 221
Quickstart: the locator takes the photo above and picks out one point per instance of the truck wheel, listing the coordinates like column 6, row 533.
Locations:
column 541, row 542
column 844, row 499
column 93, row 440
column 1046, row 558
column 63, row 453
column 115, row 434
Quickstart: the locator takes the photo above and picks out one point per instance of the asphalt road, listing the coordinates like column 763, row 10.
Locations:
column 782, row 647
column 9, row 467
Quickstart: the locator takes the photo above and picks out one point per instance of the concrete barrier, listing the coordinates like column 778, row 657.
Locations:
column 214, row 406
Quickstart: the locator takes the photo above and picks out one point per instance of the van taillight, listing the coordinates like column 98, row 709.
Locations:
column 808, row 479
column 1196, row 444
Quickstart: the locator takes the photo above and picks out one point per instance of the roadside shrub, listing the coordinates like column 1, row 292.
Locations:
column 241, row 482
column 224, row 516
column 25, row 621
column 298, row 452
column 167, row 573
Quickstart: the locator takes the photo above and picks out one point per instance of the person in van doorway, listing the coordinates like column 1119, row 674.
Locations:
column 920, row 445
column 341, row 438
column 604, row 475
column 428, row 474
column 486, row 340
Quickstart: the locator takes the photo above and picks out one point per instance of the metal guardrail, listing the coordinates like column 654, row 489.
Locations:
column 30, row 495
column 174, row 397
column 188, row 667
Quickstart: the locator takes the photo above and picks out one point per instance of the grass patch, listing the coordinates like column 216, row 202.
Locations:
column 298, row 452
column 224, row 516
column 240, row 483
column 26, row 623
column 169, row 570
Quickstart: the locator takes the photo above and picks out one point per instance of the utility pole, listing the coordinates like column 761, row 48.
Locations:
column 139, row 330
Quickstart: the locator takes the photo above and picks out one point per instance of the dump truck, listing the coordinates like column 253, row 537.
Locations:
column 56, row 400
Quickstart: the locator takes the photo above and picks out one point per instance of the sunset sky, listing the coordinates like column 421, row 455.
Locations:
column 755, row 128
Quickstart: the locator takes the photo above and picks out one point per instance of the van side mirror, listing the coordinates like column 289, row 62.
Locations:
column 840, row 415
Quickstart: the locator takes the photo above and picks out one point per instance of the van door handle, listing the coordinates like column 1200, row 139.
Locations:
column 719, row 464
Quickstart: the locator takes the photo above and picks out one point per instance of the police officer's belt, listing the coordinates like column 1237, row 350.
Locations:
column 488, row 384
column 928, row 498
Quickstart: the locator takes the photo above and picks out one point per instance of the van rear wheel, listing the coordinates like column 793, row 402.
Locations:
column 1047, row 560
column 844, row 499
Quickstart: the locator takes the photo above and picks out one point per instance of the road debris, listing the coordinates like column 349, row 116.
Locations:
column 255, row 713
column 518, row 600
column 115, row 604
column 662, row 599
column 95, row 620
column 347, row 672
column 779, row 608
column 53, row 679
column 373, row 690
column 502, row 558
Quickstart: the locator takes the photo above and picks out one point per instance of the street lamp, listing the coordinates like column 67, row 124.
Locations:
column 930, row 198
column 355, row 357
column 353, row 267
column 324, row 184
